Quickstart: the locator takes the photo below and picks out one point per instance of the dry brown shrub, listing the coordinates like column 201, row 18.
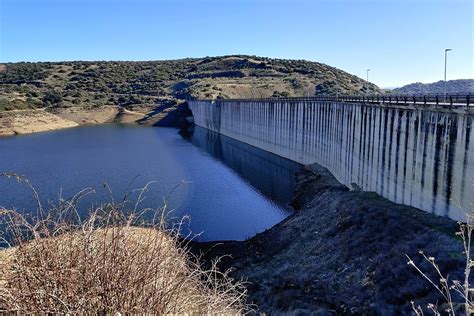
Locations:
column 450, row 289
column 114, row 261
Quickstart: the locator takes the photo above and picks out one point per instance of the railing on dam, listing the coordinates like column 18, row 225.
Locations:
column 441, row 100
column 413, row 155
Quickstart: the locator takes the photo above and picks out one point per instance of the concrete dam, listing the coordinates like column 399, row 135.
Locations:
column 420, row 156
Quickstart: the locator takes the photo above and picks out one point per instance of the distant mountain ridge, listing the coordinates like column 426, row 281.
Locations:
column 452, row 86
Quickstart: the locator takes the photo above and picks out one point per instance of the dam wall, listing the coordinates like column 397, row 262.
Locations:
column 417, row 156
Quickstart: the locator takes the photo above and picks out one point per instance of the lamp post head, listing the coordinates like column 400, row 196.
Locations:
column 447, row 49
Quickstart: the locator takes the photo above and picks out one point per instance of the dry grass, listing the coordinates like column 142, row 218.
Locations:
column 112, row 261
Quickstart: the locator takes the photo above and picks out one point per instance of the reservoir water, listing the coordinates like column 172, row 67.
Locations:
column 230, row 190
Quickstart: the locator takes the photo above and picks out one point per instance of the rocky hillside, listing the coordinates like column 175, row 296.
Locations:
column 342, row 252
column 452, row 86
column 66, row 84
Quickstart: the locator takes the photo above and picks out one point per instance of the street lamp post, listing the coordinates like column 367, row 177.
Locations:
column 367, row 92
column 445, row 67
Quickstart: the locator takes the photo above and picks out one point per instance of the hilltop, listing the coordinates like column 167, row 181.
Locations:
column 452, row 86
column 154, row 83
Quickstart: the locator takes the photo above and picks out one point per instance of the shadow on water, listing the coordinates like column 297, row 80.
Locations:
column 272, row 175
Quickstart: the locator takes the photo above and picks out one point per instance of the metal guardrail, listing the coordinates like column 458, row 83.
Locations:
column 445, row 101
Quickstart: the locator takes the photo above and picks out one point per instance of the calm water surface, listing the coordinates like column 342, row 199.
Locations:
column 230, row 190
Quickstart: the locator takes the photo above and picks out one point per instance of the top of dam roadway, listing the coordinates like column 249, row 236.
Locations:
column 449, row 101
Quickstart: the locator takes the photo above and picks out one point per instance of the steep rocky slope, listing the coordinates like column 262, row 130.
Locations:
column 342, row 252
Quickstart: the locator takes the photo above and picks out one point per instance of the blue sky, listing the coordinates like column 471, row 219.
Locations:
column 400, row 41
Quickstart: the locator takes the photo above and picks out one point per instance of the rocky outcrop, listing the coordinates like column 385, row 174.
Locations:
column 175, row 115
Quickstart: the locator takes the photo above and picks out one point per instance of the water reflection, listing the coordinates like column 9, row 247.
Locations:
column 272, row 175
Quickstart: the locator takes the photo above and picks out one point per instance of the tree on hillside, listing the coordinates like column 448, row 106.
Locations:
column 52, row 97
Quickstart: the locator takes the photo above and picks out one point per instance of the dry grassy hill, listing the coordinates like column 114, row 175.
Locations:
column 67, row 84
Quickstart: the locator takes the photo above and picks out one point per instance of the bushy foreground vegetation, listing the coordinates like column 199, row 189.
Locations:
column 111, row 262
column 31, row 85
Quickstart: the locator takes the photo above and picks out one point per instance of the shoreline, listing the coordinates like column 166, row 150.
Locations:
column 21, row 122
